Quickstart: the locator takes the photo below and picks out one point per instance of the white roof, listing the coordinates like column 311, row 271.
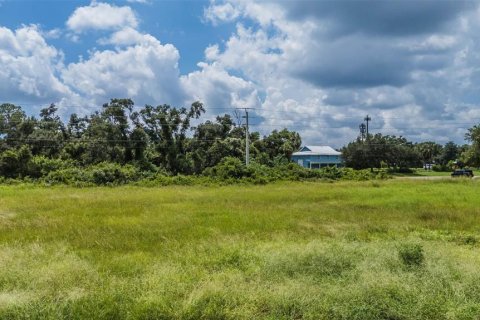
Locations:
column 317, row 151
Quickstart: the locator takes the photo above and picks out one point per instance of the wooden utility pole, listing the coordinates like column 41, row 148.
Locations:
column 247, row 137
column 247, row 142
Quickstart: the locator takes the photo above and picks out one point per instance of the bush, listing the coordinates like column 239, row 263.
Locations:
column 363, row 175
column 293, row 171
column 19, row 164
column 41, row 166
column 104, row 173
column 68, row 176
column 382, row 174
column 411, row 255
column 113, row 173
column 232, row 170
column 404, row 170
column 440, row 168
column 14, row 162
column 331, row 173
column 228, row 168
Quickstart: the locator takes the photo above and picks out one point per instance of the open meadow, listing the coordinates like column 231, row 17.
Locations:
column 418, row 172
column 395, row 249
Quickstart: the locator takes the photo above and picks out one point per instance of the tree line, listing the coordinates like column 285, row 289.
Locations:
column 151, row 139
column 121, row 142
column 397, row 153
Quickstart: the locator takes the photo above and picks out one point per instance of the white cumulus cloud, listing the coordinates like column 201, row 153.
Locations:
column 138, row 1
column 146, row 72
column 217, row 89
column 101, row 16
column 319, row 68
column 304, row 66
column 127, row 36
column 224, row 12
column 29, row 66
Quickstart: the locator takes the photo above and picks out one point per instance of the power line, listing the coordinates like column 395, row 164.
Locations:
column 443, row 121
column 436, row 126
column 226, row 109
column 100, row 107
column 193, row 139
column 297, row 121
column 458, row 125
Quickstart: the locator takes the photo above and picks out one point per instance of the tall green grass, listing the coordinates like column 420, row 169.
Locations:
column 363, row 250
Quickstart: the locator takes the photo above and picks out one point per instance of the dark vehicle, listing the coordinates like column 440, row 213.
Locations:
column 462, row 173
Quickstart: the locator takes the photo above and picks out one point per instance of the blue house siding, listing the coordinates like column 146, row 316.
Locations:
column 315, row 157
column 309, row 161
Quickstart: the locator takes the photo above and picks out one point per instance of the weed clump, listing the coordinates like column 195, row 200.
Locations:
column 468, row 240
column 316, row 264
column 411, row 255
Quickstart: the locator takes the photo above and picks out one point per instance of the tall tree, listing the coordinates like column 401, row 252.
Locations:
column 49, row 135
column 15, row 126
column 378, row 150
column 472, row 155
column 167, row 128
column 278, row 146
column 213, row 141
column 428, row 151
column 450, row 152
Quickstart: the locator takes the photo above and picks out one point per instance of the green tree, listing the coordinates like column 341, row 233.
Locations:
column 428, row 151
column 212, row 142
column 278, row 146
column 149, row 139
column 450, row 152
column 76, row 126
column 110, row 136
column 15, row 126
column 49, row 134
column 472, row 155
column 14, row 162
column 167, row 128
column 395, row 152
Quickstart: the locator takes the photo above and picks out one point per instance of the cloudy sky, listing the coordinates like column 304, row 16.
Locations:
column 317, row 67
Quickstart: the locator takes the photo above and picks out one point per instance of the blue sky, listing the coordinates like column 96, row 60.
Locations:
column 178, row 22
column 317, row 67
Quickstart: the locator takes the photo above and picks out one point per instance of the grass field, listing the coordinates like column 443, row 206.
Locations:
column 366, row 250
column 430, row 173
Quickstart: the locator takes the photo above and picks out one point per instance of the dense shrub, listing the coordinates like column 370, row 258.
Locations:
column 440, row 167
column 364, row 175
column 17, row 164
column 40, row 166
column 101, row 174
column 331, row 173
column 14, row 162
column 69, row 176
column 228, row 168
column 161, row 179
column 295, row 172
column 233, row 170
column 113, row 173
column 382, row 174
column 403, row 170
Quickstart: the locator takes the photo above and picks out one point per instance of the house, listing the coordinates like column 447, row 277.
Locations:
column 315, row 157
